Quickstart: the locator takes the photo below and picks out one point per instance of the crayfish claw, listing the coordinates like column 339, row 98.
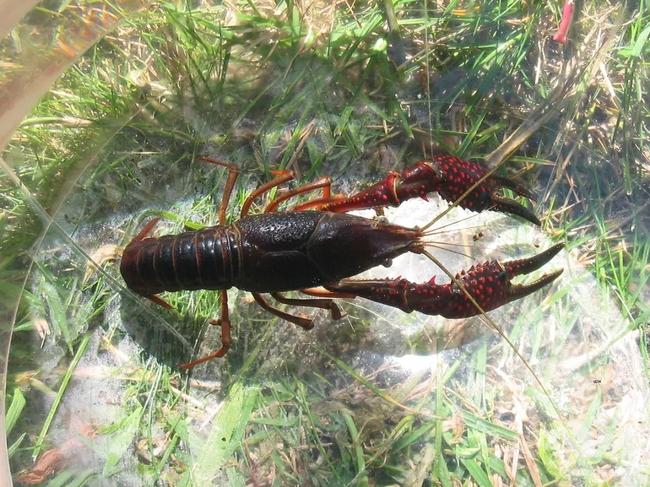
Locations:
column 526, row 266
column 507, row 205
column 450, row 177
column 522, row 290
column 513, row 185
column 489, row 284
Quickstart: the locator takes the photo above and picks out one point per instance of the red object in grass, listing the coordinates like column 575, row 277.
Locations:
column 567, row 17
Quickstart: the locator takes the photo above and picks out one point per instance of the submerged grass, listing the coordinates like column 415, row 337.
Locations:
column 323, row 89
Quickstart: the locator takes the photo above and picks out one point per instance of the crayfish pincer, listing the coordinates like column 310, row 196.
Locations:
column 315, row 247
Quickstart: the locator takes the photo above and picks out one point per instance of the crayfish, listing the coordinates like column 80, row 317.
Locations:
column 316, row 247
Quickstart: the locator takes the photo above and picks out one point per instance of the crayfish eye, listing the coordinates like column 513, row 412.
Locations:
column 387, row 263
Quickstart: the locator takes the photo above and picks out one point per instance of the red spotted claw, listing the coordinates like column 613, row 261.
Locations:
column 447, row 175
column 490, row 284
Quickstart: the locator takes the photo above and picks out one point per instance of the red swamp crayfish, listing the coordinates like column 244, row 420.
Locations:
column 315, row 247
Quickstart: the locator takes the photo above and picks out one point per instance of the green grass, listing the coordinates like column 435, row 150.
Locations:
column 327, row 91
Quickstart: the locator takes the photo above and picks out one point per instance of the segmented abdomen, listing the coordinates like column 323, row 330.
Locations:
column 207, row 259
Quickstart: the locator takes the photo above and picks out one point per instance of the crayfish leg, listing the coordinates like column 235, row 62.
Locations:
column 146, row 230
column 304, row 323
column 324, row 183
column 328, row 304
column 159, row 301
column 282, row 177
column 233, row 173
column 224, row 323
